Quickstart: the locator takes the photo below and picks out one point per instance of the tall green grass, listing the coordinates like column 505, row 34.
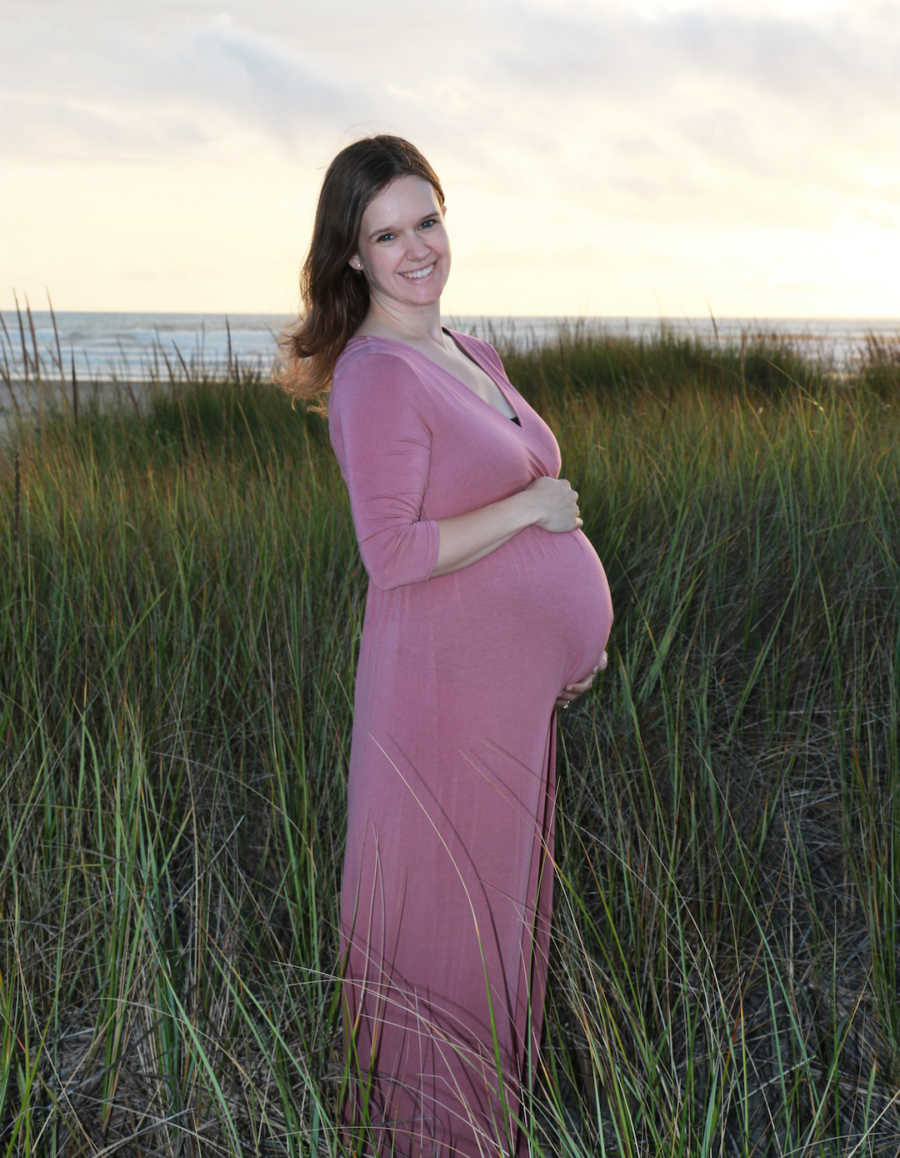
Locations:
column 181, row 600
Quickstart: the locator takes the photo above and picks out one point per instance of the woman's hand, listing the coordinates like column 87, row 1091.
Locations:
column 547, row 502
column 572, row 691
column 556, row 504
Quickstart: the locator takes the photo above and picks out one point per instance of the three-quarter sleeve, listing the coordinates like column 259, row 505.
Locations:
column 383, row 445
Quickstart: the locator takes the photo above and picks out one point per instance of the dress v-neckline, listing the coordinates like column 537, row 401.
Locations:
column 515, row 417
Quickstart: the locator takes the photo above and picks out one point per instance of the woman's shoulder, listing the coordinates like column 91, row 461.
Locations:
column 372, row 371
column 369, row 357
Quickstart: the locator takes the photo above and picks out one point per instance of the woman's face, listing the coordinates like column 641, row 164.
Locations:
column 403, row 249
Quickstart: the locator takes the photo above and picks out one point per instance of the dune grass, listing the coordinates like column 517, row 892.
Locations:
column 181, row 600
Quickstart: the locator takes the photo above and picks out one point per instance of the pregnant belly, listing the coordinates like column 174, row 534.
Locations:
column 568, row 597
column 476, row 648
column 549, row 593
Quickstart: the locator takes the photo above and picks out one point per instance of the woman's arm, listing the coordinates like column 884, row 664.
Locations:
column 548, row 502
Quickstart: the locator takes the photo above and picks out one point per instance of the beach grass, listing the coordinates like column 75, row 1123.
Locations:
column 181, row 604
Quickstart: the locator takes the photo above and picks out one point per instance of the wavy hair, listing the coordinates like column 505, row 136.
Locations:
column 335, row 298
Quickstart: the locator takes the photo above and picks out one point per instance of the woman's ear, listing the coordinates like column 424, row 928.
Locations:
column 355, row 263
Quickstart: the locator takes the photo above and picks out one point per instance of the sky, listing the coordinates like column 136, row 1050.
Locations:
column 645, row 159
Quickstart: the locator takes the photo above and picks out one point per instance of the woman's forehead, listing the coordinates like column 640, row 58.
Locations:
column 406, row 195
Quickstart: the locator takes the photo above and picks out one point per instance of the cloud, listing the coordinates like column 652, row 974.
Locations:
column 112, row 87
column 699, row 114
column 696, row 112
column 257, row 79
column 613, row 51
column 73, row 129
column 289, row 75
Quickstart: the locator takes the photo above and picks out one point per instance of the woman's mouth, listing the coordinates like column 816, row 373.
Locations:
column 419, row 274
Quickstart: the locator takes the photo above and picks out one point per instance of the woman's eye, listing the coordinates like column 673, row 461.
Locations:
column 428, row 222
column 385, row 237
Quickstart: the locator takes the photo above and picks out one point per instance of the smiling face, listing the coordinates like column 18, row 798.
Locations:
column 403, row 250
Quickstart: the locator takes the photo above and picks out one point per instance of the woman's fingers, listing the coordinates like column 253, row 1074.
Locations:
column 572, row 691
column 557, row 503
column 582, row 685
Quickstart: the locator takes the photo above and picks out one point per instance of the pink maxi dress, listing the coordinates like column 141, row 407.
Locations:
column 448, row 873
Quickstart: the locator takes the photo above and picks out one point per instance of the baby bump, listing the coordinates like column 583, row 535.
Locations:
column 547, row 594
column 570, row 598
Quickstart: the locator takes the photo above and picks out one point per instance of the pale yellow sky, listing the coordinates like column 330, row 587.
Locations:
column 598, row 158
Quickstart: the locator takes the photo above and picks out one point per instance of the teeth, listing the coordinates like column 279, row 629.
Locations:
column 419, row 273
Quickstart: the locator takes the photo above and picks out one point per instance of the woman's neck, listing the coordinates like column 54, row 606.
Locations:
column 421, row 328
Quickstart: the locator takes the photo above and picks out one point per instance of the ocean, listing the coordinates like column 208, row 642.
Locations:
column 137, row 347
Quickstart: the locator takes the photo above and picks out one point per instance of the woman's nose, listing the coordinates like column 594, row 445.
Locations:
column 417, row 246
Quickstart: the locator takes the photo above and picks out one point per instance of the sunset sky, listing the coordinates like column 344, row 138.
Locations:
column 598, row 158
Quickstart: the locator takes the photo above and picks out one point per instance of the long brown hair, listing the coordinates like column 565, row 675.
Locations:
column 335, row 297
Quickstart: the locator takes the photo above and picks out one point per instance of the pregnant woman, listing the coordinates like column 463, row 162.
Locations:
column 487, row 609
